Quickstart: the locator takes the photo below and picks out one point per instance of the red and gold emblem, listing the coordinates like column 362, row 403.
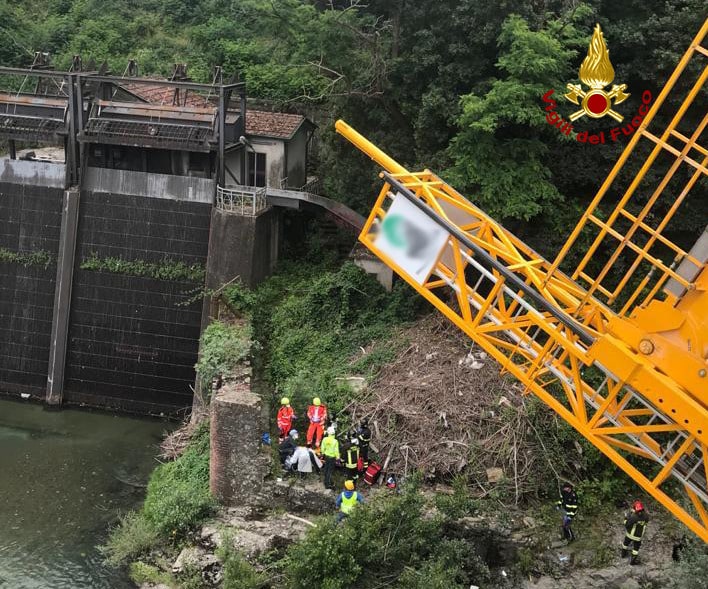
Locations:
column 597, row 72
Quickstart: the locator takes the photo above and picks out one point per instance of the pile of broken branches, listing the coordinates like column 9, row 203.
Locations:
column 176, row 442
column 442, row 407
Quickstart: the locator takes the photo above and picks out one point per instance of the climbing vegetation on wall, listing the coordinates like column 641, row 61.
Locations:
column 166, row 269
column 35, row 258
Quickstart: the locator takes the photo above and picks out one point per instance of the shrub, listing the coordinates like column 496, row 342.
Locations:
column 692, row 570
column 460, row 503
column 144, row 573
column 312, row 319
column 222, row 348
column 239, row 297
column 133, row 537
column 390, row 541
column 178, row 497
column 238, row 572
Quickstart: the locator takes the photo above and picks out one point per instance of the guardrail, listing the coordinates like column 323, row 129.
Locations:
column 246, row 201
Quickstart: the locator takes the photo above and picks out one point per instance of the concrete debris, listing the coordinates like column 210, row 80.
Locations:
column 356, row 383
column 194, row 557
column 495, row 474
column 251, row 536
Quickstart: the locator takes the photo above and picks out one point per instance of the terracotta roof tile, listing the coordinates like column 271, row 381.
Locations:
column 163, row 95
column 260, row 123
column 272, row 124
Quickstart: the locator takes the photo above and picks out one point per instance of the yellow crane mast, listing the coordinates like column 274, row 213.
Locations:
column 618, row 345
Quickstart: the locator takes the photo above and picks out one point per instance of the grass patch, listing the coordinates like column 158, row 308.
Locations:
column 177, row 501
column 178, row 497
column 222, row 348
column 133, row 537
column 141, row 572
column 238, row 572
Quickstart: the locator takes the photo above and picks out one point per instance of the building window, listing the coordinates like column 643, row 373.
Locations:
column 256, row 169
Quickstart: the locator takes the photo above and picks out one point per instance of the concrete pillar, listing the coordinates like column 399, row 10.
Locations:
column 237, row 465
column 62, row 296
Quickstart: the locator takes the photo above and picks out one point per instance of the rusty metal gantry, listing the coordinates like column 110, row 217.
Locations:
column 618, row 347
column 83, row 108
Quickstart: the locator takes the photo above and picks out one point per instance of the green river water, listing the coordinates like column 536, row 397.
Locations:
column 64, row 476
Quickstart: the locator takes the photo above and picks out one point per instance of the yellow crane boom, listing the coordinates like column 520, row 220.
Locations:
column 618, row 346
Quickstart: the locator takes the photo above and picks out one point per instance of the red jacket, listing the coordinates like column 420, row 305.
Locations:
column 285, row 416
column 317, row 414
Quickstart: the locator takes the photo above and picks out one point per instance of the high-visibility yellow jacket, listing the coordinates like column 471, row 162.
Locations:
column 348, row 499
column 330, row 447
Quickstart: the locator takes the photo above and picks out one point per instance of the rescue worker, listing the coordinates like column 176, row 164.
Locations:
column 330, row 452
column 288, row 445
column 347, row 499
column 635, row 524
column 286, row 414
column 352, row 462
column 303, row 461
column 568, row 504
column 364, row 435
column 317, row 414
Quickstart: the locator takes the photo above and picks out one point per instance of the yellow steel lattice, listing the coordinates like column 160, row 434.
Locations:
column 630, row 259
column 633, row 383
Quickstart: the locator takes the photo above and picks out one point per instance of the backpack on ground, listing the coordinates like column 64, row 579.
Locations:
column 372, row 473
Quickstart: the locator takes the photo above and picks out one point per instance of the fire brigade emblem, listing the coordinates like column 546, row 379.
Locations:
column 597, row 72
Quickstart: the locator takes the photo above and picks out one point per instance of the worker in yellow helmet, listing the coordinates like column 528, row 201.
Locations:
column 317, row 414
column 286, row 414
column 347, row 499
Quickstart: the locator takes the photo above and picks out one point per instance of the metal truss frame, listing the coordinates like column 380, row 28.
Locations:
column 595, row 367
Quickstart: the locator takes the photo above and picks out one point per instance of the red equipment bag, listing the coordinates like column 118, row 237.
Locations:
column 372, row 473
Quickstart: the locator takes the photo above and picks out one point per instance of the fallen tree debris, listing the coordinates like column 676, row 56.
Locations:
column 441, row 406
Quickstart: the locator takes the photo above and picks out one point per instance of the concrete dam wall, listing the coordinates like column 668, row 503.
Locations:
column 101, row 287
column 30, row 219
column 135, row 338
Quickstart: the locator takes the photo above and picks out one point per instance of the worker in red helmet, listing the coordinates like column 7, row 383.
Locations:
column 635, row 524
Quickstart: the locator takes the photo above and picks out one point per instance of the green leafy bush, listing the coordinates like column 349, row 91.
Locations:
column 239, row 297
column 460, row 503
column 178, row 497
column 692, row 570
column 238, row 572
column 390, row 541
column 312, row 320
column 133, row 537
column 141, row 572
column 222, row 348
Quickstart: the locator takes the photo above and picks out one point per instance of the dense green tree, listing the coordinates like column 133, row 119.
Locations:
column 453, row 85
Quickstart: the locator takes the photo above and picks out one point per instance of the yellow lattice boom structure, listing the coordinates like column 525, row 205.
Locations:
column 617, row 345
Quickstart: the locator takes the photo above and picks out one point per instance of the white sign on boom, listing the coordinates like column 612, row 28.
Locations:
column 411, row 239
